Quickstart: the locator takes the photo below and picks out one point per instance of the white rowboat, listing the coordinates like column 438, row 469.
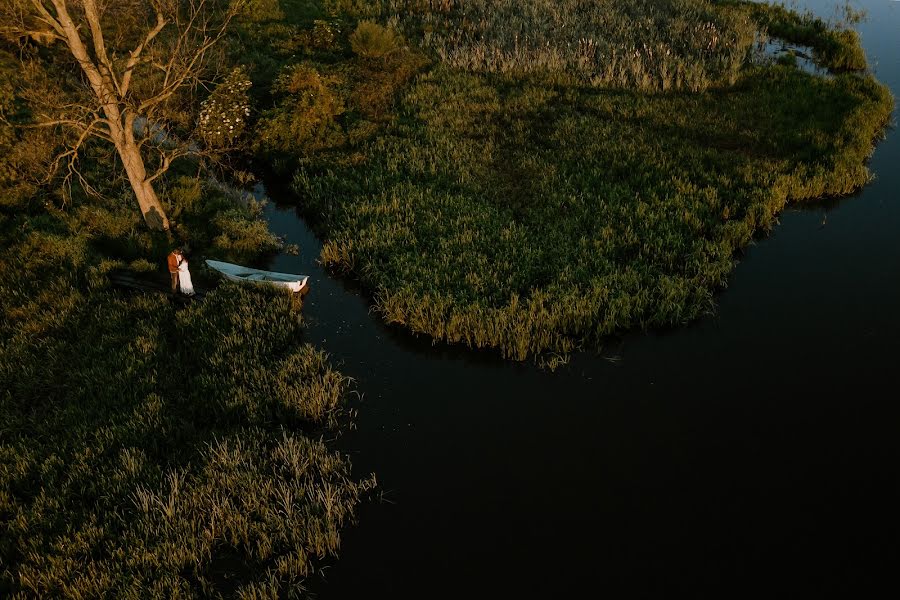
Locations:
column 295, row 283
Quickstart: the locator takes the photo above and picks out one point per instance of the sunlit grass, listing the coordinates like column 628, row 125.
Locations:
column 650, row 45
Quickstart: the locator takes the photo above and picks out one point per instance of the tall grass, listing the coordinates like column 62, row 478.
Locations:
column 149, row 451
column 532, row 218
column 650, row 45
column 528, row 193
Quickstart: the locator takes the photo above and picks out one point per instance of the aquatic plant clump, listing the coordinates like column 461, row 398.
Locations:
column 835, row 44
column 649, row 45
column 535, row 206
column 305, row 118
column 531, row 219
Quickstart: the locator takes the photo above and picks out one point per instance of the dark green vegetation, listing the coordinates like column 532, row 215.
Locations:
column 535, row 205
column 646, row 45
column 486, row 192
column 148, row 450
column 528, row 218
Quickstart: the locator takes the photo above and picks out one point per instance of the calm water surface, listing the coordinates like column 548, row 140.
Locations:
column 757, row 450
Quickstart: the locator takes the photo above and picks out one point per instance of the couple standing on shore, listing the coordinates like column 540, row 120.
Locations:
column 181, row 276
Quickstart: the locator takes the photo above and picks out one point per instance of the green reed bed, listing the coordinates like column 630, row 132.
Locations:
column 151, row 451
column 493, row 183
column 528, row 217
column 637, row 44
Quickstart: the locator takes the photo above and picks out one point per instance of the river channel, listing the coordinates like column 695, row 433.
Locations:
column 757, row 449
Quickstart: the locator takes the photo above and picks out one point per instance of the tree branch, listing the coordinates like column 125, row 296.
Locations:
column 72, row 154
column 76, row 125
column 136, row 53
column 93, row 18
column 47, row 18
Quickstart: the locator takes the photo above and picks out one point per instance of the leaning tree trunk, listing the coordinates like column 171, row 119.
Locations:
column 105, row 88
column 151, row 208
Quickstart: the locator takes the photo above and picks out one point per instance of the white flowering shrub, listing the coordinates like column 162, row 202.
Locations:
column 223, row 116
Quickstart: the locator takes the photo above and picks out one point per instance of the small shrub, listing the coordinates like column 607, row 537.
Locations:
column 379, row 81
column 23, row 154
column 142, row 265
column 183, row 197
column 305, row 119
column 322, row 36
column 242, row 237
column 371, row 40
column 258, row 11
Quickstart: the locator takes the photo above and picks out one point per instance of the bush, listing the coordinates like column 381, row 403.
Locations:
column 305, row 119
column 257, row 11
column 242, row 237
column 23, row 155
column 183, row 197
column 322, row 36
column 371, row 40
column 379, row 81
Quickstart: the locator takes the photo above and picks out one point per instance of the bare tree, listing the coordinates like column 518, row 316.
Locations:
column 139, row 64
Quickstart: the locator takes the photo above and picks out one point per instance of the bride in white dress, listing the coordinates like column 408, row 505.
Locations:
column 184, row 278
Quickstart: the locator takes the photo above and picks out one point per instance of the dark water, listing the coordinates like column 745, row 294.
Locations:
column 757, row 450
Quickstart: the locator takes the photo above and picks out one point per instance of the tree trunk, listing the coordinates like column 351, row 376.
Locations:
column 121, row 126
column 151, row 208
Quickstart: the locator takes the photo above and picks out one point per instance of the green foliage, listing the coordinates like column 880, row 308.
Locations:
column 256, row 11
column 173, row 458
column 377, row 83
column 241, row 236
column 23, row 154
column 354, row 9
column 525, row 209
column 305, row 119
column 184, row 196
column 531, row 218
column 153, row 451
column 371, row 40
column 221, row 218
column 149, row 450
column 321, row 36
